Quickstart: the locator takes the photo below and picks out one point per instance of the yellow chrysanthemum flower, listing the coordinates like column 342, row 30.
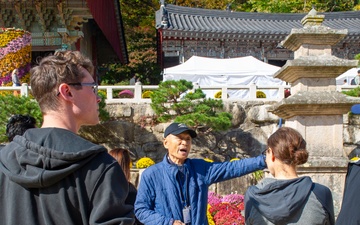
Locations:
column 144, row 162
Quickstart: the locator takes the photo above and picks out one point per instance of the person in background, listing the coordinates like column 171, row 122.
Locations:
column 122, row 156
column 175, row 190
column 349, row 212
column 356, row 80
column 138, row 81
column 133, row 80
column 15, row 80
column 18, row 124
column 51, row 174
column 287, row 198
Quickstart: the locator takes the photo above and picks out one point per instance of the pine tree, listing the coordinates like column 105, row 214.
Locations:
column 178, row 101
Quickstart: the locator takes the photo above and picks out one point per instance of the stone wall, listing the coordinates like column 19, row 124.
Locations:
column 132, row 127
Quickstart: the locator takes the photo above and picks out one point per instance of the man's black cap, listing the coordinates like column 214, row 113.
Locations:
column 178, row 128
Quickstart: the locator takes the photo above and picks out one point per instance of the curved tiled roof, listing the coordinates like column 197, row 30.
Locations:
column 180, row 18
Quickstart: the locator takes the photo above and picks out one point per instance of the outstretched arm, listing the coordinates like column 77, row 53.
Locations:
column 228, row 170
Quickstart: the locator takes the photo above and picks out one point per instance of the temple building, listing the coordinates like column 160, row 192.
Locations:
column 91, row 26
column 183, row 32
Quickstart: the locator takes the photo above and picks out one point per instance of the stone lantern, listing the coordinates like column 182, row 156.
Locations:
column 315, row 108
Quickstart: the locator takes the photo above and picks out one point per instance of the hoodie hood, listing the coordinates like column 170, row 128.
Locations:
column 44, row 156
column 278, row 200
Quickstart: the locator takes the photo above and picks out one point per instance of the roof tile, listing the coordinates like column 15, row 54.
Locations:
column 222, row 21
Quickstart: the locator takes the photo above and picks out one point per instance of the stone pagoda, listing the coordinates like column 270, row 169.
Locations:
column 315, row 108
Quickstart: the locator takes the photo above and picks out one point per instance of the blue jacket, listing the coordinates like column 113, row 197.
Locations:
column 159, row 194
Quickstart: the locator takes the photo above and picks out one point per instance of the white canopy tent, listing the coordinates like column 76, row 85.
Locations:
column 227, row 72
column 348, row 75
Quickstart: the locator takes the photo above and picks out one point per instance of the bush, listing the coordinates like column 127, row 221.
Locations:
column 11, row 105
column 103, row 114
column 353, row 92
column 357, row 57
column 175, row 100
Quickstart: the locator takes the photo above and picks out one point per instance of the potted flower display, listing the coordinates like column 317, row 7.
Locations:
column 142, row 164
column 225, row 210
column 15, row 53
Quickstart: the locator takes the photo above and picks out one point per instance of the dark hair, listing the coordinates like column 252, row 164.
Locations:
column 288, row 146
column 123, row 157
column 18, row 124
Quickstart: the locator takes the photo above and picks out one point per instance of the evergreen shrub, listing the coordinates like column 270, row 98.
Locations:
column 11, row 105
column 177, row 101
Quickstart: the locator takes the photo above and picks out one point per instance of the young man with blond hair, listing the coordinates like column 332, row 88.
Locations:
column 50, row 174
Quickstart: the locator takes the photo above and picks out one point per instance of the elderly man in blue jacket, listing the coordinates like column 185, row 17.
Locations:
column 175, row 190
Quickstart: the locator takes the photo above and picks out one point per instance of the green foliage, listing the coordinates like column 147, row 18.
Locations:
column 140, row 33
column 142, row 59
column 258, row 175
column 11, row 105
column 357, row 57
column 142, row 56
column 353, row 92
column 293, row 6
column 273, row 6
column 207, row 4
column 175, row 100
column 103, row 114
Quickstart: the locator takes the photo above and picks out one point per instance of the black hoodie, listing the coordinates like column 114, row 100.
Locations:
column 53, row 176
column 291, row 201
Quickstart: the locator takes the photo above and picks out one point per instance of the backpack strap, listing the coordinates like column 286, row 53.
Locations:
column 325, row 198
